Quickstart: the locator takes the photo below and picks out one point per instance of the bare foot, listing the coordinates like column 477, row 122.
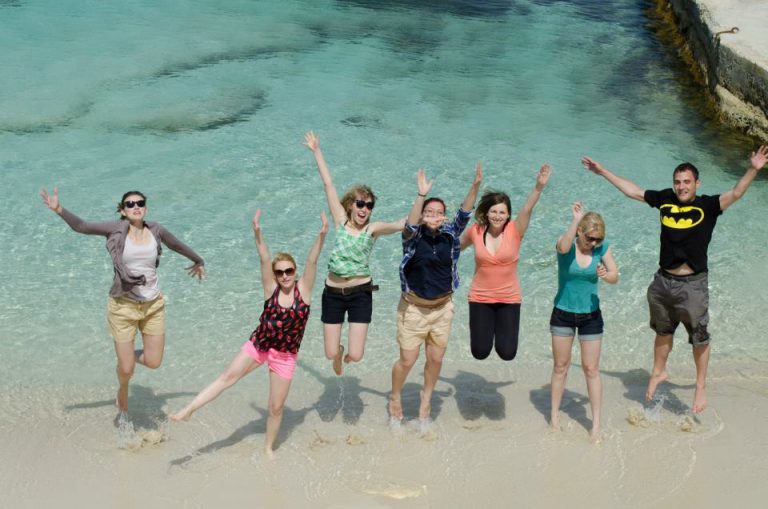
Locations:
column 653, row 383
column 594, row 435
column 121, row 402
column 554, row 422
column 338, row 367
column 182, row 415
column 425, row 408
column 699, row 400
column 395, row 408
column 269, row 453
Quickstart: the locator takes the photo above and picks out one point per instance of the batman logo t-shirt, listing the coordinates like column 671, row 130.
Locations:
column 686, row 228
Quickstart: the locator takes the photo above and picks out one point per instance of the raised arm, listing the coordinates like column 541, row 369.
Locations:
column 629, row 188
column 424, row 186
column 607, row 269
column 77, row 224
column 469, row 201
column 379, row 229
column 339, row 215
column 565, row 241
column 265, row 260
column 307, row 281
column 757, row 162
column 524, row 216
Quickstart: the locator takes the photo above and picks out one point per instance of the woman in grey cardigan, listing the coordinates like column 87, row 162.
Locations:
column 135, row 302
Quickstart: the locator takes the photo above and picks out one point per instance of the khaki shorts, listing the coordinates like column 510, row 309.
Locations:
column 125, row 316
column 417, row 325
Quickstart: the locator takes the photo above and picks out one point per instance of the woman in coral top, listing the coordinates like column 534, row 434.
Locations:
column 494, row 295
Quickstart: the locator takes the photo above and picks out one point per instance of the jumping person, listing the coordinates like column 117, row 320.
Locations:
column 679, row 291
column 135, row 301
column 348, row 287
column 428, row 277
column 277, row 339
column 494, row 294
column 583, row 258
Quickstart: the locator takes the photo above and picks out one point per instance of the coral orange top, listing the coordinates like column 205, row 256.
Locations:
column 495, row 278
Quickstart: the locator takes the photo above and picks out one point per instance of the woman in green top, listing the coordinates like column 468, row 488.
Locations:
column 580, row 263
column 348, row 287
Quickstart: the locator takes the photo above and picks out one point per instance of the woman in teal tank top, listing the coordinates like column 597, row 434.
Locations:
column 348, row 287
column 583, row 258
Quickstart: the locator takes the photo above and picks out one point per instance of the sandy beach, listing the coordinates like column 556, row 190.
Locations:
column 489, row 446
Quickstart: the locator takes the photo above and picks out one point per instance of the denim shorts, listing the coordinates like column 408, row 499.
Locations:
column 564, row 323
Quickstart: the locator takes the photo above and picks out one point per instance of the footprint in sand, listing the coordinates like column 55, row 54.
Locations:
column 354, row 440
column 472, row 425
column 319, row 441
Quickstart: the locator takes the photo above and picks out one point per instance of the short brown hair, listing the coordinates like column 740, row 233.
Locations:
column 358, row 190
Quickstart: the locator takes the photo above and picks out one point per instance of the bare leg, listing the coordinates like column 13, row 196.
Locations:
column 432, row 369
column 358, row 332
column 126, row 362
column 152, row 354
column 333, row 349
column 662, row 348
column 278, row 392
column 590, row 364
column 561, row 361
column 400, row 372
column 241, row 365
column 701, row 358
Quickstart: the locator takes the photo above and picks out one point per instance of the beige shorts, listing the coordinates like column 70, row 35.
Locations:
column 417, row 325
column 125, row 316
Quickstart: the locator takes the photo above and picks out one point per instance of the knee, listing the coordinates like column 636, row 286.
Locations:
column 152, row 363
column 275, row 409
column 228, row 378
column 591, row 370
column 560, row 368
column 480, row 354
column 406, row 363
column 354, row 357
column 435, row 360
column 125, row 371
column 507, row 354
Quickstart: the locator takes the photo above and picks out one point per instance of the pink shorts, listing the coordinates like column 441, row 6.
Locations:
column 282, row 363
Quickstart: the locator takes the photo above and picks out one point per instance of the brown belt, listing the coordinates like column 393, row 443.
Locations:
column 351, row 290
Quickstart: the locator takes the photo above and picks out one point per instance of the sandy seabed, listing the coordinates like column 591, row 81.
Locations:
column 488, row 446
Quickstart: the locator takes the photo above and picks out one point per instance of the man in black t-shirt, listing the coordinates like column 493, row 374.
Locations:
column 679, row 291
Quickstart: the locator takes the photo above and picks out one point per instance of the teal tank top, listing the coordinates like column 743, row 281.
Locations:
column 577, row 286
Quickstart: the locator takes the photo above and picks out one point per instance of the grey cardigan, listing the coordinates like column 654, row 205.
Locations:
column 115, row 232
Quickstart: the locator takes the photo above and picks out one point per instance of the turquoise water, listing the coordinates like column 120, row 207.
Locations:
column 203, row 107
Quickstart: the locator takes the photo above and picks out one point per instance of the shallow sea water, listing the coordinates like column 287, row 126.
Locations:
column 203, row 107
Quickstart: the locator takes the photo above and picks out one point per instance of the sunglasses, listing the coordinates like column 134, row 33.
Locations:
column 362, row 203
column 287, row 272
column 596, row 240
column 130, row 204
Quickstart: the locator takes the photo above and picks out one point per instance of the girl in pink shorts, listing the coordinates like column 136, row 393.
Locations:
column 277, row 339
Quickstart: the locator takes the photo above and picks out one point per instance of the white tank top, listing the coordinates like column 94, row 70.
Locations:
column 141, row 260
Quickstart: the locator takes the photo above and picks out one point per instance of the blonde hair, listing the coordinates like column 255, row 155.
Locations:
column 283, row 257
column 353, row 193
column 592, row 222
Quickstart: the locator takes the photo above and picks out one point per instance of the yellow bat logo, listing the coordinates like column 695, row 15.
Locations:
column 680, row 218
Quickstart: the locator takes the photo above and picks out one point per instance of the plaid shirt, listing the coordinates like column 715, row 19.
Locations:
column 412, row 233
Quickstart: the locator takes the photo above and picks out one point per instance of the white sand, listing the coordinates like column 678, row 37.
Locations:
column 489, row 446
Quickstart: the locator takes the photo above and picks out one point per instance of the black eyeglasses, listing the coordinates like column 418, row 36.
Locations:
column 362, row 203
column 596, row 240
column 130, row 204
column 287, row 272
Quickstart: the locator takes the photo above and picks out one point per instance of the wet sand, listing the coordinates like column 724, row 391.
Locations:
column 489, row 445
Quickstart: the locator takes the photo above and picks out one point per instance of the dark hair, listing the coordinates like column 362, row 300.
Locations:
column 351, row 195
column 686, row 167
column 126, row 195
column 488, row 200
column 431, row 200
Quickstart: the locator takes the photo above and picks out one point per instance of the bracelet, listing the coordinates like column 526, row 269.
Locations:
column 422, row 195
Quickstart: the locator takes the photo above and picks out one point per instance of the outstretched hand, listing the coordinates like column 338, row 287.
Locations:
column 51, row 201
column 255, row 223
column 424, row 184
column 578, row 210
column 197, row 270
column 544, row 173
column 759, row 157
column 312, row 141
column 324, row 223
column 592, row 165
column 478, row 174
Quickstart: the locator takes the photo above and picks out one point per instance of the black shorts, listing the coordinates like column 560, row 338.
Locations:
column 358, row 306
